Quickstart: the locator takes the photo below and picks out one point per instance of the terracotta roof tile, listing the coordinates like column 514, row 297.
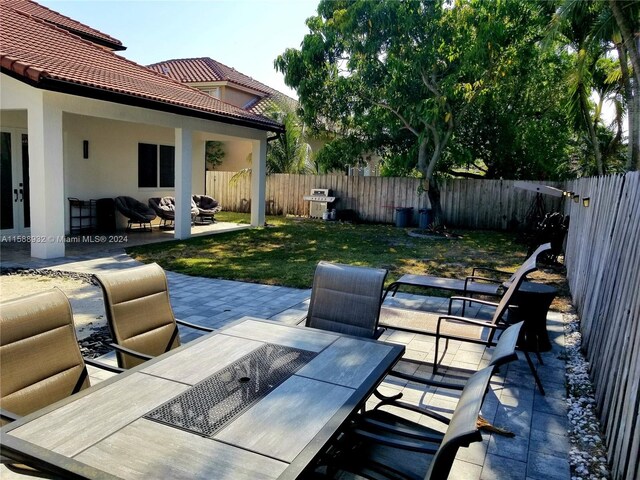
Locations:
column 43, row 13
column 205, row 69
column 46, row 54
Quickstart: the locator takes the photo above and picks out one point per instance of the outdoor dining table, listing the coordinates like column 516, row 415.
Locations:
column 255, row 400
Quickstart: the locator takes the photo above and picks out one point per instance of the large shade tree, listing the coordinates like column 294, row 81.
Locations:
column 397, row 68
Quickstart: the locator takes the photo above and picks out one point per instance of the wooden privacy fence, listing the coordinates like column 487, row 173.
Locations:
column 469, row 203
column 603, row 270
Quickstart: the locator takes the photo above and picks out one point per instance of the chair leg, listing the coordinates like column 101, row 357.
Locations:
column 435, row 358
column 534, row 372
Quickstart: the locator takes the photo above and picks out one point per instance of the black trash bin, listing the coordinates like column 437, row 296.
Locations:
column 403, row 216
column 424, row 219
column 105, row 215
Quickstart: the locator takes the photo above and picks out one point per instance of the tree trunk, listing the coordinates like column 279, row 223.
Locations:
column 628, row 38
column 634, row 138
column 633, row 112
column 434, row 199
column 584, row 105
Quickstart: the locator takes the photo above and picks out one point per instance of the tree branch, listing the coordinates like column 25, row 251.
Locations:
column 406, row 124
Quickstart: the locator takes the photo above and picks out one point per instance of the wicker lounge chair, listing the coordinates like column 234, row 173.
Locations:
column 207, row 207
column 139, row 313
column 165, row 208
column 135, row 211
column 346, row 299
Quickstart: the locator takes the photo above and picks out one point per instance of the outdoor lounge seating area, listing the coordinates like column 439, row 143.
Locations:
column 89, row 216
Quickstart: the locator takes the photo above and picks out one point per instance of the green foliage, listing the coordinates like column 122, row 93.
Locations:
column 213, row 154
column 340, row 153
column 290, row 151
column 589, row 31
column 503, row 87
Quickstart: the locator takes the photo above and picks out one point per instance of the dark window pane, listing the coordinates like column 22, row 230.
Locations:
column 25, row 180
column 167, row 166
column 147, row 165
column 6, row 181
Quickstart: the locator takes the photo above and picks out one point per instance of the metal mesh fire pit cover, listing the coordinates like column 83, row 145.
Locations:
column 210, row 404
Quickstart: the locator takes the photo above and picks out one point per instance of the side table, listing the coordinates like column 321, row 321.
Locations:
column 531, row 304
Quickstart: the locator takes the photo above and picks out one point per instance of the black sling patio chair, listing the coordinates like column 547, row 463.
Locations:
column 478, row 283
column 380, row 444
column 453, row 327
column 346, row 299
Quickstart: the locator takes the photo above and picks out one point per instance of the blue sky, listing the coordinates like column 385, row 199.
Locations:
column 244, row 34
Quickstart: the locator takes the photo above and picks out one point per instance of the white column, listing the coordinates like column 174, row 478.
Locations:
column 258, row 181
column 46, row 177
column 183, row 165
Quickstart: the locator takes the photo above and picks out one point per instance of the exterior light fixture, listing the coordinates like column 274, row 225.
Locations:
column 576, row 198
column 585, row 201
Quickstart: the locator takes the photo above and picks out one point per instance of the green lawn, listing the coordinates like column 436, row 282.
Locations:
column 287, row 251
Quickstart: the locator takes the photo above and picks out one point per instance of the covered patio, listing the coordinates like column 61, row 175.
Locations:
column 97, row 125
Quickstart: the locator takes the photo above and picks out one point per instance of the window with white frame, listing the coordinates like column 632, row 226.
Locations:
column 156, row 166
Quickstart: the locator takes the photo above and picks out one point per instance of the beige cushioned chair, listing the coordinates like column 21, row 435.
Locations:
column 39, row 353
column 40, row 357
column 139, row 313
column 346, row 299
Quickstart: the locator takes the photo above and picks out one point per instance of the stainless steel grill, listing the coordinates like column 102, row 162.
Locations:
column 212, row 403
column 321, row 200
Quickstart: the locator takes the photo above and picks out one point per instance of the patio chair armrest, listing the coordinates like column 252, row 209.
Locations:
column 484, row 279
column 8, row 415
column 425, row 381
column 414, row 408
column 194, row 326
column 471, row 321
column 470, row 300
column 394, row 442
column 375, row 424
column 103, row 366
column 493, row 270
column 128, row 351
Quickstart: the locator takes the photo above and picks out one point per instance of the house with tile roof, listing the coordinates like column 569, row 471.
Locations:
column 78, row 120
column 231, row 86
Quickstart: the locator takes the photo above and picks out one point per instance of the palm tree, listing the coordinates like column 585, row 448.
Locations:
column 574, row 22
column 590, row 29
column 289, row 152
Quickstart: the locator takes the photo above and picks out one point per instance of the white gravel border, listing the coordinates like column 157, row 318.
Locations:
column 588, row 452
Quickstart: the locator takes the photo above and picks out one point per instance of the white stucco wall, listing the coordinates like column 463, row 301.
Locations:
column 237, row 155
column 112, row 167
